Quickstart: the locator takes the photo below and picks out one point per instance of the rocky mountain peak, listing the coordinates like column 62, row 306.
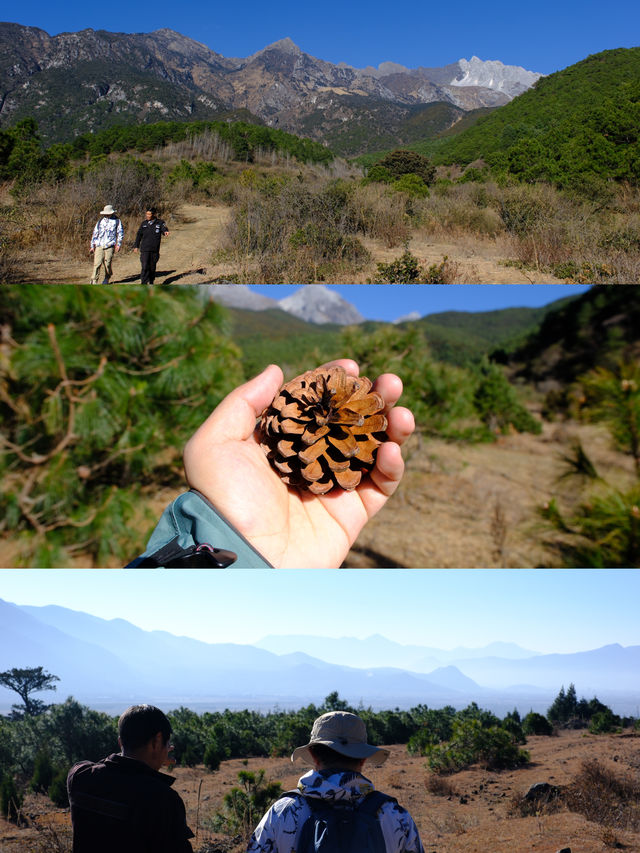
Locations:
column 493, row 74
column 164, row 75
column 315, row 304
column 285, row 45
column 318, row 304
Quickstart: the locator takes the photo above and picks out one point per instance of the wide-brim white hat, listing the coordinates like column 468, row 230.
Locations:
column 108, row 210
column 344, row 733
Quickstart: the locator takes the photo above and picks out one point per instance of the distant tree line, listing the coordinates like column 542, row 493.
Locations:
column 23, row 156
column 578, row 128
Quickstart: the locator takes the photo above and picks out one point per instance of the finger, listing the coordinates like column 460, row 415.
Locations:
column 400, row 424
column 234, row 419
column 384, row 478
column 389, row 386
column 349, row 365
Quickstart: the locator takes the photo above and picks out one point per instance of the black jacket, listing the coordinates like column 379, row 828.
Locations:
column 121, row 805
column 149, row 235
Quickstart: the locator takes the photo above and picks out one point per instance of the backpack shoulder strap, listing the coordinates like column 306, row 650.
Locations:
column 294, row 793
column 374, row 801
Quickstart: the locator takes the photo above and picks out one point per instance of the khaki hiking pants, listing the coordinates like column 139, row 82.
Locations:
column 102, row 256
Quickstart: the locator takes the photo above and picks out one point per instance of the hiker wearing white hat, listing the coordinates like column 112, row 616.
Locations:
column 106, row 239
column 335, row 808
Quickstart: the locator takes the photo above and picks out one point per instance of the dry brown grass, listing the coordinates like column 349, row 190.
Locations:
column 538, row 233
column 605, row 795
column 440, row 786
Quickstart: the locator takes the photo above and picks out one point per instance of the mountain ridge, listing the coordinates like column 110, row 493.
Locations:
column 115, row 668
column 120, row 77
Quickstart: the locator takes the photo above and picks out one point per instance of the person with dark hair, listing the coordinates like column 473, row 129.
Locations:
column 148, row 240
column 123, row 804
column 335, row 807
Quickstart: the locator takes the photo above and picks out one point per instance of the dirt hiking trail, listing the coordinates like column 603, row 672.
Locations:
column 197, row 231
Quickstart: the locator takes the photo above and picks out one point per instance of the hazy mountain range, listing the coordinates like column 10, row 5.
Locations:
column 89, row 80
column 108, row 663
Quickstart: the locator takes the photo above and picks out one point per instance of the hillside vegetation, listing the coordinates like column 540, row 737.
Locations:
column 594, row 330
column 576, row 129
column 551, row 179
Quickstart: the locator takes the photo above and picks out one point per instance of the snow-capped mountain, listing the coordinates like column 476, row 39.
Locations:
column 512, row 80
column 314, row 304
column 318, row 304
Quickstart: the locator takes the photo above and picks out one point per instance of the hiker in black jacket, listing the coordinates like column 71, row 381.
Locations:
column 124, row 804
column 148, row 240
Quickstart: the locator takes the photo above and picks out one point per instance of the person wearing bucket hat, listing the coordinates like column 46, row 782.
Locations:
column 335, row 807
column 106, row 239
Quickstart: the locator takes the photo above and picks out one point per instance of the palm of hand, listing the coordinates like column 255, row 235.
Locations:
column 290, row 528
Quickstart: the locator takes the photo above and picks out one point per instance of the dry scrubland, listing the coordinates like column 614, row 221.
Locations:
column 473, row 811
column 278, row 221
column 478, row 505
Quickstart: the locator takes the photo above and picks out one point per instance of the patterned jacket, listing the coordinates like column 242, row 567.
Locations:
column 278, row 830
column 108, row 232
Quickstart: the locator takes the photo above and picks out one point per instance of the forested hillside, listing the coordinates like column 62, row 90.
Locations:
column 577, row 128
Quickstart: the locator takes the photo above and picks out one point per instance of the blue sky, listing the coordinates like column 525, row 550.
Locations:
column 389, row 302
column 544, row 36
column 541, row 610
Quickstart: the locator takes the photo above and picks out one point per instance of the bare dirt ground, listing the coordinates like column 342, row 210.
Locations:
column 475, row 817
column 477, row 505
column 198, row 231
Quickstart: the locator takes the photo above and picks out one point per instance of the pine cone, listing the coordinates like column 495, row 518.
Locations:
column 323, row 430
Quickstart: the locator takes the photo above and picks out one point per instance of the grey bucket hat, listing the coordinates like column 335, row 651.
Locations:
column 343, row 732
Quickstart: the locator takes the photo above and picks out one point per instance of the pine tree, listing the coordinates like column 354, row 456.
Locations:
column 99, row 390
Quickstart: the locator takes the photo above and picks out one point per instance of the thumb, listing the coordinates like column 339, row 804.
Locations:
column 234, row 419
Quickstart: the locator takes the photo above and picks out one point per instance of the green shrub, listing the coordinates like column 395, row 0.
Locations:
column 11, row 798
column 198, row 174
column 411, row 184
column 403, row 162
column 536, row 724
column 497, row 405
column 606, row 531
column 213, row 755
column 404, row 270
column 604, row 722
column 244, row 806
column 436, row 726
column 43, row 772
column 378, row 173
column 493, row 748
column 613, row 398
column 58, row 790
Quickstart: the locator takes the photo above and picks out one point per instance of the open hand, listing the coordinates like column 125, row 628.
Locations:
column 290, row 528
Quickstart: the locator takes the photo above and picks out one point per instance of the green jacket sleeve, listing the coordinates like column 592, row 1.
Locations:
column 191, row 533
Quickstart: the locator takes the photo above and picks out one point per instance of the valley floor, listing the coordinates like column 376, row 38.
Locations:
column 197, row 231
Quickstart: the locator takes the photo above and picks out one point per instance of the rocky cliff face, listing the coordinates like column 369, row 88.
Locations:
column 87, row 78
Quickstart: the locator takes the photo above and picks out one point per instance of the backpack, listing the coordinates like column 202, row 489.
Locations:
column 337, row 828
